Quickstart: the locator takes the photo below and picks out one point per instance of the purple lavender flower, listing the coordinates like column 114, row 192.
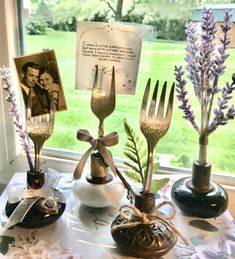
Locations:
column 188, row 114
column 204, row 67
column 206, row 50
column 218, row 67
column 16, row 114
column 191, row 58
column 233, row 78
column 220, row 117
column 205, row 64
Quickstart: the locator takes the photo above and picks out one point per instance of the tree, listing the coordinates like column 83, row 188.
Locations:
column 43, row 11
column 118, row 9
column 64, row 11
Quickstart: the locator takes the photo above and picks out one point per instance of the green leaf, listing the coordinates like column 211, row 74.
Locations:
column 131, row 157
column 132, row 166
column 133, row 176
column 135, row 151
column 156, row 185
column 203, row 224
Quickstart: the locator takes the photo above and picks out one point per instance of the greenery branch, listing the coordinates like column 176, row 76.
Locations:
column 136, row 152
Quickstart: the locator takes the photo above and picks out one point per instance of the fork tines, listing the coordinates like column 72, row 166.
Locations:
column 152, row 106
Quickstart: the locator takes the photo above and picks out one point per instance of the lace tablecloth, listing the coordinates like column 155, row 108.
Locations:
column 84, row 232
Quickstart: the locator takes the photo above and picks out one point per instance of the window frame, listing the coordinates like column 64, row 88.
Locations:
column 8, row 32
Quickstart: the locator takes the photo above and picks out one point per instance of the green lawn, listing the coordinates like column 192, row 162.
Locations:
column 157, row 61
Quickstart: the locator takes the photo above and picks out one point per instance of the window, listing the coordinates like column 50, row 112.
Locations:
column 178, row 148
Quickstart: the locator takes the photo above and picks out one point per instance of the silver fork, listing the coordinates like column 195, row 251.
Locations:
column 39, row 128
column 154, row 125
column 102, row 103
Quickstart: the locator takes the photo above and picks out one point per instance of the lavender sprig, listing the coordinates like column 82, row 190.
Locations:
column 205, row 64
column 219, row 68
column 16, row 114
column 185, row 106
column 204, row 67
column 191, row 57
column 220, row 117
column 206, row 52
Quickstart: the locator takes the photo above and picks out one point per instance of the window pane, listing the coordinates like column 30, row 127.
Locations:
column 158, row 58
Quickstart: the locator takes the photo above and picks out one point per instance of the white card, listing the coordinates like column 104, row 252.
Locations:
column 108, row 45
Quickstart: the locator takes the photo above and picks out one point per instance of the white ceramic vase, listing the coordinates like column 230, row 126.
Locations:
column 98, row 195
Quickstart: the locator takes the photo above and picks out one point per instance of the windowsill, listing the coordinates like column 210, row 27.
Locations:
column 65, row 161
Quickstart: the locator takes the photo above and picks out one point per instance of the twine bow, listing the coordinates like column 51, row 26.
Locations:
column 99, row 144
column 136, row 217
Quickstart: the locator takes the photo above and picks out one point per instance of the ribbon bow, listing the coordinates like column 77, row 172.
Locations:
column 28, row 197
column 16, row 194
column 136, row 217
column 99, row 144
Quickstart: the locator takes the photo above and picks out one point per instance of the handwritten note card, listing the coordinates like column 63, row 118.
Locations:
column 108, row 45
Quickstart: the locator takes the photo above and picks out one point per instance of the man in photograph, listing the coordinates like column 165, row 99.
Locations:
column 40, row 96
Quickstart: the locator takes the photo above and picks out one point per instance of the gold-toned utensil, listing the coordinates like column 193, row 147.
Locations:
column 154, row 125
column 39, row 128
column 102, row 101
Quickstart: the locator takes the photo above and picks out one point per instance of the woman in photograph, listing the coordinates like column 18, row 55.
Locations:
column 47, row 82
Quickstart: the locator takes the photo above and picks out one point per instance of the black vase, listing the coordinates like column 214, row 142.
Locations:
column 45, row 210
column 143, row 240
column 198, row 196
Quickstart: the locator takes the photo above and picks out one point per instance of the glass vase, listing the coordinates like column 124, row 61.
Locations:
column 198, row 195
column 99, row 188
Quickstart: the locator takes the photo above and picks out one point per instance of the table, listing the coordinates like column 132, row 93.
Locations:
column 84, row 232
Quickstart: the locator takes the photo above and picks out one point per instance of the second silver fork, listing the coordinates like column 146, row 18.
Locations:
column 154, row 125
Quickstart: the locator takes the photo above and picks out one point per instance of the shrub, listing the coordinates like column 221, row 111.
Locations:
column 69, row 25
column 36, row 26
column 133, row 18
column 169, row 29
column 99, row 17
column 176, row 29
column 160, row 27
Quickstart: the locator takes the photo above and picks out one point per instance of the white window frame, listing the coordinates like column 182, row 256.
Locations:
column 8, row 48
column 11, row 158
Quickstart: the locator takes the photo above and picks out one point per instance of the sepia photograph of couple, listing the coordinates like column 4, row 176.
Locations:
column 40, row 74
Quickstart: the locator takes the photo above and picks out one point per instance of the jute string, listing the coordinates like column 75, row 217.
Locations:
column 136, row 217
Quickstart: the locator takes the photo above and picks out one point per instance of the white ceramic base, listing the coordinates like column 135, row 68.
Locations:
column 98, row 195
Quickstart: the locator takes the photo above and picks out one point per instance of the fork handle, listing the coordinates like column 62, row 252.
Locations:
column 149, row 173
column 101, row 128
column 37, row 148
column 130, row 191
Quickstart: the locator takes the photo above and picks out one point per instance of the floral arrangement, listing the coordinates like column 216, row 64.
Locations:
column 16, row 114
column 205, row 64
